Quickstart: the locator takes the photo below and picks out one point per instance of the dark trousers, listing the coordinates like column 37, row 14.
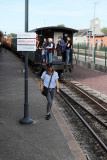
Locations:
column 38, row 55
column 50, row 97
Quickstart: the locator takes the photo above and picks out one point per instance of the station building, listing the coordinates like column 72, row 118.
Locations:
column 82, row 36
column 100, row 41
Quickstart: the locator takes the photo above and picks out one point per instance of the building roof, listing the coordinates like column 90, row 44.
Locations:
column 56, row 28
column 103, row 35
column 81, row 32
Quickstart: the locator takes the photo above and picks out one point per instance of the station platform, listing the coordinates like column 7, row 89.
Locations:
column 98, row 66
column 42, row 140
column 94, row 79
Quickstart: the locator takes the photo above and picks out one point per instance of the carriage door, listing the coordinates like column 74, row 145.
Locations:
column 56, row 35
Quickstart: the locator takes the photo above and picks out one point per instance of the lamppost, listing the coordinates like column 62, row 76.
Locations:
column 26, row 119
column 5, row 42
column 94, row 29
column 89, row 34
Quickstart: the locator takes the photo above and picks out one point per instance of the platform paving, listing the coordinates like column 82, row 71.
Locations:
column 42, row 140
column 99, row 64
column 94, row 79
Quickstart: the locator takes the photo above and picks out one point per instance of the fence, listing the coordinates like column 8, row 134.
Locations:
column 85, row 45
column 82, row 52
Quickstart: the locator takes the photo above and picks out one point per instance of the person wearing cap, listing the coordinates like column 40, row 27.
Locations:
column 50, row 49
column 60, row 47
column 49, row 76
column 62, row 43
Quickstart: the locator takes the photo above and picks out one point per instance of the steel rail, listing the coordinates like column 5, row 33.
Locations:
column 74, row 101
column 63, row 95
column 87, row 157
column 86, row 95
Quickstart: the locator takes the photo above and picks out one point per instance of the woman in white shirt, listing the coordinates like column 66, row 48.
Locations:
column 50, row 49
column 45, row 80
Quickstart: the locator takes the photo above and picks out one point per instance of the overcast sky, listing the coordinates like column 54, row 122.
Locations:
column 73, row 13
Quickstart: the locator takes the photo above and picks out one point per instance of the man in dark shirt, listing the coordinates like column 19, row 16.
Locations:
column 61, row 47
column 68, row 49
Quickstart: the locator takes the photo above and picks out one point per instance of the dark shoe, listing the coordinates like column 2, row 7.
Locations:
column 48, row 117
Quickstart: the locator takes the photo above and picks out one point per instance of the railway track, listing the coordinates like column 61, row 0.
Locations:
column 89, row 110
column 90, row 118
column 95, row 100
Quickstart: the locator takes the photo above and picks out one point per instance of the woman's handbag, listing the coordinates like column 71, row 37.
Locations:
column 45, row 89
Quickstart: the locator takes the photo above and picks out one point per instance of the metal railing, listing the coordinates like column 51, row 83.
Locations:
column 85, row 54
column 55, row 53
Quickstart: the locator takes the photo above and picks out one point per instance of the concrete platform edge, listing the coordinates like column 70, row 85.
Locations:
column 91, row 65
column 72, row 143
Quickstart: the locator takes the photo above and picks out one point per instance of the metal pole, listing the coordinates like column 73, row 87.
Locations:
column 26, row 15
column 94, row 56
column 93, row 32
column 26, row 119
column 105, row 56
column 78, row 51
column 85, row 54
column 89, row 48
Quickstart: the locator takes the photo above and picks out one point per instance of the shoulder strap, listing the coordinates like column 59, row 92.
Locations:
column 50, row 81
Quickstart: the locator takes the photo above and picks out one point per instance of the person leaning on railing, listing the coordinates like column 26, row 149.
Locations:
column 50, row 49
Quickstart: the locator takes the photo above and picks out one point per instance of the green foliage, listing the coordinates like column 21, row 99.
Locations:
column 11, row 35
column 104, row 30
column 61, row 25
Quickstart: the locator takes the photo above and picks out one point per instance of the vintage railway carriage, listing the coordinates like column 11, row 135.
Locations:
column 54, row 33
column 47, row 32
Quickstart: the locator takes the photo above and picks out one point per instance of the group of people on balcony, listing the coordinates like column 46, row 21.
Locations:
column 47, row 47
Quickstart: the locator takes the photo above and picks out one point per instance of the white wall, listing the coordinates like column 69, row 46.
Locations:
column 81, row 40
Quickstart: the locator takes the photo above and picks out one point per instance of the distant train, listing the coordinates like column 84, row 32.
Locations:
column 46, row 32
column 1, row 36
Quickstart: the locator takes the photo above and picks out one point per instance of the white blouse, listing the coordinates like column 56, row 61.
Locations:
column 46, row 79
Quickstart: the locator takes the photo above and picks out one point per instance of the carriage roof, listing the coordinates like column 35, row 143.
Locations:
column 55, row 29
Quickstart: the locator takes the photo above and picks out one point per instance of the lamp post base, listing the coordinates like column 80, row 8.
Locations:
column 26, row 121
